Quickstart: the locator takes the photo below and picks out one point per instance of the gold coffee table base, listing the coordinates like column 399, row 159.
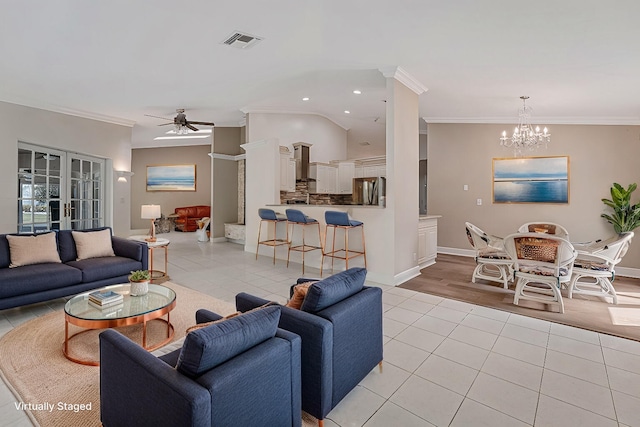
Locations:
column 89, row 362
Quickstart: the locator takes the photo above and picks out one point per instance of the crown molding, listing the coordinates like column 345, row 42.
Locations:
column 405, row 78
column 69, row 111
column 626, row 121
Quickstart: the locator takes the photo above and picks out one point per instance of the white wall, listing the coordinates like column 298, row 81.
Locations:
column 64, row 132
column 329, row 140
column 374, row 134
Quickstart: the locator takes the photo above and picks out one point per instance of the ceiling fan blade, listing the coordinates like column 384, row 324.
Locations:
column 202, row 123
column 157, row 117
column 193, row 128
column 164, row 124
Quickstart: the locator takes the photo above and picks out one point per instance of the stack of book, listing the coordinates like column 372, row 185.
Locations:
column 104, row 299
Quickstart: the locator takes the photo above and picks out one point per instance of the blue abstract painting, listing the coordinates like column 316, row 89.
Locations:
column 171, row 178
column 531, row 180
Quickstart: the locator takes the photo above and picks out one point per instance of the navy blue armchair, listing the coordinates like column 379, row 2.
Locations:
column 340, row 323
column 243, row 371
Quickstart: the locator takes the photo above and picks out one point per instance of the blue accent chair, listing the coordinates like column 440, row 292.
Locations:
column 243, row 371
column 340, row 323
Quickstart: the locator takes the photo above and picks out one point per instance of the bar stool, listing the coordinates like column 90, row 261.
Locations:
column 296, row 217
column 340, row 220
column 270, row 217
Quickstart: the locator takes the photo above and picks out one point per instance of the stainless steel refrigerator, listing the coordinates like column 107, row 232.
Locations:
column 369, row 191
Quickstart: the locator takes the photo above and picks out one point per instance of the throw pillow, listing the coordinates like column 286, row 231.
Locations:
column 26, row 250
column 334, row 289
column 93, row 244
column 227, row 317
column 205, row 324
column 206, row 348
column 299, row 292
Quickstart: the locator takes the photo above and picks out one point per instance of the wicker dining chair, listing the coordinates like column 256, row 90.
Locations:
column 542, row 265
column 544, row 227
column 492, row 261
column 594, row 267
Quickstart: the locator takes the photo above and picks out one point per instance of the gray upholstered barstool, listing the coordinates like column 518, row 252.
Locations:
column 296, row 217
column 270, row 217
column 340, row 220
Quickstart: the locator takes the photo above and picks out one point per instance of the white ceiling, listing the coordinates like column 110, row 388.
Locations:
column 117, row 60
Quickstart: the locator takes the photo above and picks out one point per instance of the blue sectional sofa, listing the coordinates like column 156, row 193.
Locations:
column 33, row 283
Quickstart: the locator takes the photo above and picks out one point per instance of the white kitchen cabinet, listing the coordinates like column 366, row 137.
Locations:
column 346, row 173
column 287, row 172
column 427, row 240
column 323, row 178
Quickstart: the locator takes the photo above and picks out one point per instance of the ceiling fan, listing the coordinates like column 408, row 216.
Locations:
column 181, row 123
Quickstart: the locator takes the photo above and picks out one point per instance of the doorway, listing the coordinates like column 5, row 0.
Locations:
column 59, row 190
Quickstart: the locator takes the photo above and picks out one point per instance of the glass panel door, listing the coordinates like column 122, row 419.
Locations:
column 40, row 192
column 58, row 190
column 86, row 192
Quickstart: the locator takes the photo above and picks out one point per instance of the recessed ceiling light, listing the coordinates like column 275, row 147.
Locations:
column 347, row 112
column 306, row 98
column 357, row 92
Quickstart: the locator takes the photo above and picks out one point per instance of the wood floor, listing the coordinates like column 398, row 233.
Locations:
column 450, row 277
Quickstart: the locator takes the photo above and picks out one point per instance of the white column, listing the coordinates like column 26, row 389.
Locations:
column 402, row 147
column 262, row 169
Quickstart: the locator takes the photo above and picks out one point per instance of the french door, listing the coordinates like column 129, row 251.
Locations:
column 59, row 190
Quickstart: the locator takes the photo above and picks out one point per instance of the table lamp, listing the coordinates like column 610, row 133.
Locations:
column 151, row 212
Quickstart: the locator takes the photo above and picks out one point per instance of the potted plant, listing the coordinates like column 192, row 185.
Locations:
column 625, row 217
column 139, row 281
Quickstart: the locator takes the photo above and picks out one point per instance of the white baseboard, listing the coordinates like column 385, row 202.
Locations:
column 237, row 241
column 628, row 272
column 455, row 251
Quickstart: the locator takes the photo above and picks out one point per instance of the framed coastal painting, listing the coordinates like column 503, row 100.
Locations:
column 171, row 178
column 531, row 180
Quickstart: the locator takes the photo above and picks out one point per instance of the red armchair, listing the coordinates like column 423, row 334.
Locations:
column 188, row 217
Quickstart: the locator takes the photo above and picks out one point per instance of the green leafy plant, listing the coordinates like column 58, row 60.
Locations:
column 139, row 276
column 625, row 217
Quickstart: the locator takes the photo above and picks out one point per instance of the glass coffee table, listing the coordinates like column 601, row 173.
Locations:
column 158, row 302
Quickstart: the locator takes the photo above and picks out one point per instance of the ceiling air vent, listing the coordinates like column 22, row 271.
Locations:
column 241, row 40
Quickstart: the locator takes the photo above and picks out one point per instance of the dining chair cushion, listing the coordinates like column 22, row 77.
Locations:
column 492, row 254
column 542, row 270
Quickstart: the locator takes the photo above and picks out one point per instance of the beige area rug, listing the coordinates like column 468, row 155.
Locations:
column 450, row 277
column 33, row 366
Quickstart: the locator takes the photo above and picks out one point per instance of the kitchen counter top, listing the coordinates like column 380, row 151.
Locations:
column 429, row 216
column 304, row 205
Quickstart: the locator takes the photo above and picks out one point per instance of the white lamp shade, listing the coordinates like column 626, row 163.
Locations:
column 150, row 212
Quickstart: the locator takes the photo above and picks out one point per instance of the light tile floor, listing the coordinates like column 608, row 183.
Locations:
column 446, row 363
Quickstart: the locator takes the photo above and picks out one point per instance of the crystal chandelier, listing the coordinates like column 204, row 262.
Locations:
column 524, row 136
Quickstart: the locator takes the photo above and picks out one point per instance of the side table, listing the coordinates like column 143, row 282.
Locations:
column 160, row 243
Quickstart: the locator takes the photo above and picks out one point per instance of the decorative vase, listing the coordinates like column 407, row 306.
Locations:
column 139, row 288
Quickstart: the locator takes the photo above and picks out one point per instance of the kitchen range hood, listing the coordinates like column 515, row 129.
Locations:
column 301, row 155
